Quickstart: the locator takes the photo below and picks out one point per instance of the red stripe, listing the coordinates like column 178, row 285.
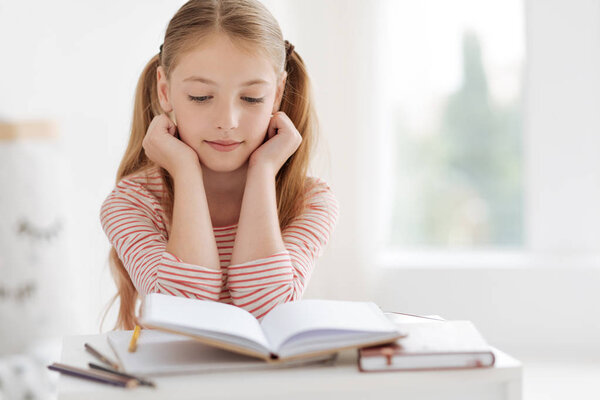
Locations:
column 257, row 272
column 258, row 265
column 124, row 217
column 126, row 227
column 149, row 270
column 222, row 228
column 254, row 286
column 114, row 210
column 137, row 201
column 223, row 235
column 188, row 284
column 236, row 281
column 138, row 241
column 259, row 298
column 195, row 288
column 265, row 303
column 191, row 277
column 137, row 188
column 164, row 288
column 143, row 205
column 135, row 255
column 266, row 312
column 321, row 228
column 308, row 231
column 305, row 239
column 195, row 270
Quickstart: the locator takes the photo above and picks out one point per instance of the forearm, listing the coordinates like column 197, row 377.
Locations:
column 191, row 237
column 258, row 233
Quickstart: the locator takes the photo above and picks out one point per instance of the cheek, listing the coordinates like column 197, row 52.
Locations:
column 255, row 125
column 191, row 124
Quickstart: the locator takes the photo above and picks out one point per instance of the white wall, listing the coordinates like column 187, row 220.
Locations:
column 79, row 63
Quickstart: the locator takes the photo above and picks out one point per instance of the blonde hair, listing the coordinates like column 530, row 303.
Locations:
column 248, row 23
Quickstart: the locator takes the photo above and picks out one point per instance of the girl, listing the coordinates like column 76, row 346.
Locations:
column 212, row 199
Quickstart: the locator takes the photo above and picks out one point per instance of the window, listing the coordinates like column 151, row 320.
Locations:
column 451, row 75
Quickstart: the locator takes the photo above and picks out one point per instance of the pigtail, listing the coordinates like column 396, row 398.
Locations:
column 146, row 106
column 298, row 105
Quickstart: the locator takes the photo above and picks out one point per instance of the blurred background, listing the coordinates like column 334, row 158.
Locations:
column 460, row 137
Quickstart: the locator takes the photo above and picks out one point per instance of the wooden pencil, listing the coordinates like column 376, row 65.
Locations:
column 98, row 376
column 101, row 357
column 134, row 339
column 142, row 381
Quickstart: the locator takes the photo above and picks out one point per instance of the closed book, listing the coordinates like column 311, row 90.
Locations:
column 293, row 330
column 430, row 345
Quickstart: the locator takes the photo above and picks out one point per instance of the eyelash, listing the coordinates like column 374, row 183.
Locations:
column 252, row 100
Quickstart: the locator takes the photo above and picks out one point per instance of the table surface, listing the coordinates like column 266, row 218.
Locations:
column 341, row 380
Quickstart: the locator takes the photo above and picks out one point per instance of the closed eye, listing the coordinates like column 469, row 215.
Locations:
column 253, row 99
column 199, row 99
column 202, row 99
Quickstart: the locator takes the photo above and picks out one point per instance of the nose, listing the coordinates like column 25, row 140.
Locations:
column 226, row 115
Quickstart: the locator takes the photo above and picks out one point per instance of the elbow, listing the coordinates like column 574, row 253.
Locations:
column 260, row 302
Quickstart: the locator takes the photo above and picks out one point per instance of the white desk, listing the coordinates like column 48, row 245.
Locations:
column 340, row 381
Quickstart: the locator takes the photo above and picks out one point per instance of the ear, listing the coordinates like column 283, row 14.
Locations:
column 162, row 87
column 279, row 93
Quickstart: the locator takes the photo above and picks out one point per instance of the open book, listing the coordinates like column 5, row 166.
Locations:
column 293, row 330
column 161, row 353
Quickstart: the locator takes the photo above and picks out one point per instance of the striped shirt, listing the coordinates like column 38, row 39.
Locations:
column 136, row 225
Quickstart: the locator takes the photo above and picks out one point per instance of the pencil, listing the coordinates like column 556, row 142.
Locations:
column 134, row 339
column 142, row 381
column 101, row 357
column 97, row 376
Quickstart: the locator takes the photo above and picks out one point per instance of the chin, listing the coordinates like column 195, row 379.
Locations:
column 223, row 165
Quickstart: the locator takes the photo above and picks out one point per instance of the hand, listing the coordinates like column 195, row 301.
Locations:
column 282, row 140
column 162, row 145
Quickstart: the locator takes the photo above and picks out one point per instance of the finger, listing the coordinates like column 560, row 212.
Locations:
column 277, row 122
column 172, row 129
column 168, row 125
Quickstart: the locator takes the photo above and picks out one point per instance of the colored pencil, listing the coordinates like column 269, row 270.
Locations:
column 142, row 381
column 97, row 376
column 101, row 357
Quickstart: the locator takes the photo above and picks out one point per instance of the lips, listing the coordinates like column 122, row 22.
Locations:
column 224, row 145
column 224, row 142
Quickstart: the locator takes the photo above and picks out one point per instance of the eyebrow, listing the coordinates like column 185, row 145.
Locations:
column 209, row 82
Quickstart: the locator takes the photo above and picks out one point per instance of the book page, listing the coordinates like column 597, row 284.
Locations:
column 204, row 318
column 165, row 353
column 161, row 353
column 326, row 319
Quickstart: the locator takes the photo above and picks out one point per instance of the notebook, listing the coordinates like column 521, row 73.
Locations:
column 430, row 345
column 160, row 353
column 292, row 330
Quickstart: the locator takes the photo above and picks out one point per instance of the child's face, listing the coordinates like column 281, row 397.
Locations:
column 225, row 110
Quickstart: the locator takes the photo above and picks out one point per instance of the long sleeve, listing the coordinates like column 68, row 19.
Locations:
column 260, row 285
column 131, row 219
